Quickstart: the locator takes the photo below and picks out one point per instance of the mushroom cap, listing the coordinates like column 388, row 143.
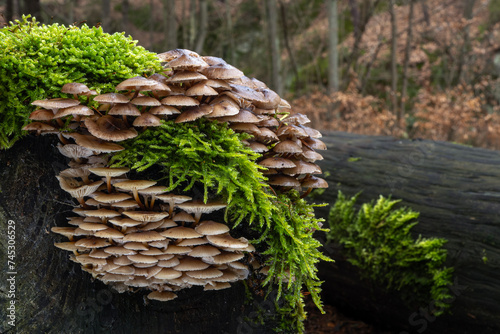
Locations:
column 164, row 110
column 56, row 103
column 162, row 296
column 277, row 162
column 181, row 232
column 190, row 264
column 102, row 213
column 209, row 227
column 180, row 250
column 134, row 184
column 205, row 273
column 134, row 83
column 145, row 101
column 194, row 113
column 41, row 115
column 302, row 167
column 174, row 198
column 139, row 258
column 79, row 191
column 204, row 251
column 109, row 128
column 283, row 180
column 225, row 240
column 119, row 250
column 146, row 216
column 216, row 286
column 109, row 233
column 314, row 143
column 109, row 171
column 75, row 88
column 227, row 257
column 146, row 236
column 172, row 262
column 63, row 230
column 75, row 110
column 296, row 119
column 287, row 146
column 187, row 61
column 124, row 109
column 314, row 182
column 95, row 144
column 38, row 126
column 93, row 226
column 186, row 76
column 74, row 151
column 222, row 71
column 201, row 89
column 92, row 243
column 193, row 242
column 147, row 119
column 175, row 53
column 200, row 207
column 243, row 116
column 125, row 222
column 111, row 98
column 183, row 216
column 168, row 273
column 180, row 101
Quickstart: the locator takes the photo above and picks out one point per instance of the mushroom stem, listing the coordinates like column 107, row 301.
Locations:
column 137, row 199
column 152, row 202
column 307, row 192
column 108, row 182
column 62, row 139
column 82, row 203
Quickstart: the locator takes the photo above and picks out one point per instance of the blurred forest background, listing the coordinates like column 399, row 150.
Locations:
column 408, row 68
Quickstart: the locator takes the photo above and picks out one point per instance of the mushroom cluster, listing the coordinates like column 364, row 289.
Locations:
column 127, row 234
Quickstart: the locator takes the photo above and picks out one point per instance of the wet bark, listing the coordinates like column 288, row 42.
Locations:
column 53, row 294
column 456, row 189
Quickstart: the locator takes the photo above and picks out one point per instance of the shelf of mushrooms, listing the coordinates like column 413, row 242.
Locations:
column 130, row 233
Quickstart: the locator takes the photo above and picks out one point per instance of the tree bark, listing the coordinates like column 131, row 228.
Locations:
column 401, row 114
column 333, row 56
column 229, row 31
column 54, row 295
column 170, row 25
column 106, row 15
column 274, row 41
column 33, row 7
column 202, row 32
column 394, row 60
column 125, row 15
column 9, row 11
column 455, row 189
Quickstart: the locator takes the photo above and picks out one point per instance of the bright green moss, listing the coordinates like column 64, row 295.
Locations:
column 209, row 155
column 377, row 239
column 37, row 60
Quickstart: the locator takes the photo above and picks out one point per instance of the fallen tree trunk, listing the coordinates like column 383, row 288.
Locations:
column 51, row 294
column 456, row 189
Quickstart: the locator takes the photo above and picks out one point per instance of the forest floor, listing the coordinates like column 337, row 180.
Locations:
column 333, row 321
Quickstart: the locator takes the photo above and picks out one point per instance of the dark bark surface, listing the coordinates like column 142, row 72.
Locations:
column 456, row 189
column 53, row 295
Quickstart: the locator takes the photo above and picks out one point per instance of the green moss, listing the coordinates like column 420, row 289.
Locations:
column 37, row 60
column 209, row 155
column 377, row 239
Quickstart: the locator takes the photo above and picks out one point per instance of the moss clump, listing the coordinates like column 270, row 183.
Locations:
column 377, row 239
column 37, row 60
column 209, row 155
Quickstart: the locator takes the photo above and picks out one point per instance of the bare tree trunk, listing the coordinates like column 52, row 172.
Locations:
column 151, row 24
column 333, row 56
column 185, row 32
column 394, row 69
column 274, row 41
column 9, row 10
column 202, row 32
column 170, row 24
column 467, row 14
column 192, row 24
column 32, row 7
column 366, row 75
column 286, row 40
column 125, row 14
column 229, row 32
column 106, row 19
column 401, row 114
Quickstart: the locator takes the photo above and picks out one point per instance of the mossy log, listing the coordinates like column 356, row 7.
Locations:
column 456, row 189
column 53, row 294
